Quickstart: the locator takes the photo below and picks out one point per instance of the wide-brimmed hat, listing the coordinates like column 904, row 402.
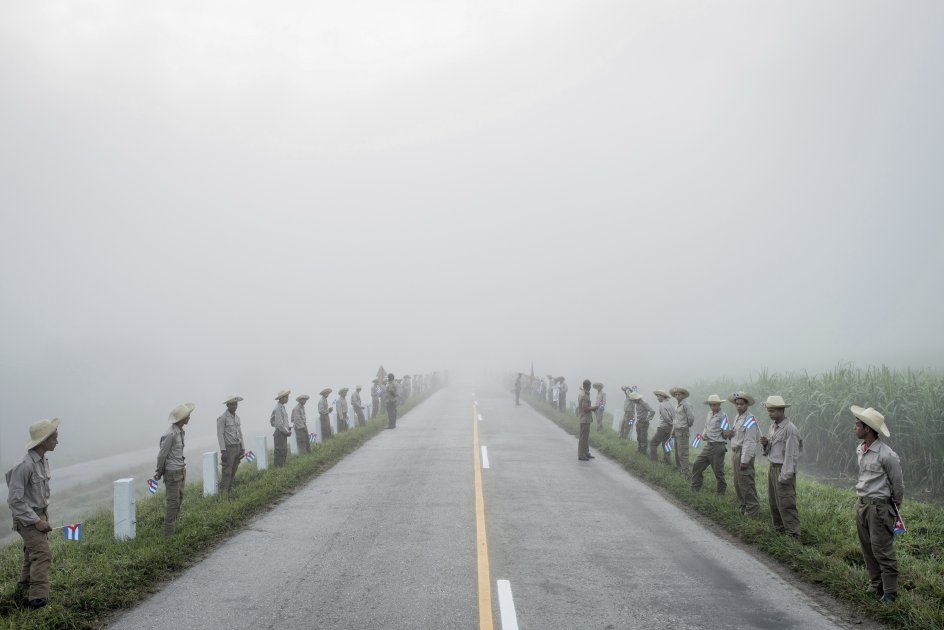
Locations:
column 675, row 390
column 872, row 418
column 714, row 398
column 660, row 392
column 343, row 390
column 283, row 392
column 325, row 391
column 358, row 388
column 376, row 380
column 40, row 431
column 598, row 386
column 635, row 396
column 742, row 395
column 180, row 412
column 303, row 397
column 233, row 399
column 775, row 402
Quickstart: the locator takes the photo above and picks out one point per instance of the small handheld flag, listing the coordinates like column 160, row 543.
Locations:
column 750, row 422
column 667, row 445
column 697, row 441
column 630, row 422
column 899, row 522
column 73, row 532
column 311, row 438
column 152, row 485
column 725, row 425
column 250, row 456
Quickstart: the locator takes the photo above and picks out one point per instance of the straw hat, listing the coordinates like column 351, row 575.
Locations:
column 325, row 391
column 342, row 391
column 714, row 398
column 40, row 431
column 743, row 395
column 180, row 412
column 661, row 392
column 283, row 392
column 598, row 386
column 358, row 388
column 871, row 418
column 233, row 399
column 303, row 397
column 635, row 396
column 775, row 402
column 682, row 390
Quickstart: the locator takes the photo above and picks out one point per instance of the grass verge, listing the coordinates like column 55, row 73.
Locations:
column 98, row 576
column 827, row 553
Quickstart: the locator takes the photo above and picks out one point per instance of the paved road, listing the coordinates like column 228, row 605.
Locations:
column 386, row 539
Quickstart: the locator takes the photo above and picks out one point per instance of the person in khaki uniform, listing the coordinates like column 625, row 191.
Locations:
column 585, row 414
column 172, row 465
column 714, row 448
column 28, row 498
column 643, row 414
column 600, row 406
column 681, row 430
column 324, row 413
column 782, row 449
column 282, row 428
column 667, row 408
column 342, row 414
column 391, row 399
column 229, row 434
column 628, row 417
column 376, row 393
column 562, row 395
column 358, row 407
column 880, row 489
column 300, row 424
column 744, row 436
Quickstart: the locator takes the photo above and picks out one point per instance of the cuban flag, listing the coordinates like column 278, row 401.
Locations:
column 899, row 523
column 631, row 421
column 250, row 456
column 152, row 485
column 697, row 441
column 73, row 532
column 311, row 438
column 725, row 425
column 667, row 445
column 750, row 423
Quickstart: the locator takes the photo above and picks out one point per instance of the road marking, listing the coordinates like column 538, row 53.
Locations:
column 481, row 543
column 484, row 457
column 506, row 603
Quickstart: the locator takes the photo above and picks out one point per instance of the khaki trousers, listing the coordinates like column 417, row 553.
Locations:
column 583, row 440
column 624, row 427
column 231, row 458
column 642, row 435
column 662, row 434
column 875, row 525
column 783, row 502
column 745, row 485
column 599, row 416
column 681, row 450
column 361, row 420
column 37, row 558
column 325, row 422
column 391, row 415
column 342, row 425
column 374, row 407
column 713, row 456
column 174, row 482
column 280, row 442
column 301, row 438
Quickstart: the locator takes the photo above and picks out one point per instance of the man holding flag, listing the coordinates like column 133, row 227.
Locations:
column 713, row 454
column 745, row 436
column 229, row 434
column 880, row 489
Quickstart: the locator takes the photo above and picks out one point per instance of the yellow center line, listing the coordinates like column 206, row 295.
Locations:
column 481, row 543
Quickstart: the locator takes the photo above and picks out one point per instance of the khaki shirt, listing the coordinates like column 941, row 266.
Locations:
column 340, row 408
column 643, row 411
column 584, row 408
column 229, row 432
column 356, row 400
column 299, row 420
column 746, row 439
column 684, row 415
column 279, row 419
column 713, row 427
column 323, row 406
column 390, row 393
column 28, row 484
column 171, row 454
column 627, row 408
column 667, row 413
column 783, row 447
column 879, row 473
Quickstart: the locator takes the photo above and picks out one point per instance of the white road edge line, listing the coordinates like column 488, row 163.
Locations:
column 506, row 604
column 484, row 457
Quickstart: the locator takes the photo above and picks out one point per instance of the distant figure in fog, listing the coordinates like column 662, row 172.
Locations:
column 172, row 465
column 282, row 428
column 643, row 414
column 666, row 422
column 229, row 434
column 628, row 417
column 391, row 398
column 684, row 419
column 358, row 407
column 341, row 413
column 324, row 414
column 585, row 415
column 601, row 404
column 300, row 424
column 376, row 394
column 562, row 394
column 518, row 390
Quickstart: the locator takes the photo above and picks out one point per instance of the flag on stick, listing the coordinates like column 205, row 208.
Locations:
column 73, row 532
column 311, row 438
column 750, row 423
column 697, row 441
column 152, row 485
column 250, row 456
column 899, row 522
column 667, row 445
column 725, row 425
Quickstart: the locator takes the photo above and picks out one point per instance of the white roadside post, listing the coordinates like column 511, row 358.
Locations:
column 210, row 462
column 262, row 452
column 124, row 511
column 293, row 443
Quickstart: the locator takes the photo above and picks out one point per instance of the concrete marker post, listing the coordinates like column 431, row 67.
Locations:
column 262, row 452
column 125, row 515
column 210, row 476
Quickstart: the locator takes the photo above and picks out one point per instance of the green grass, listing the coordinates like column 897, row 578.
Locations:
column 827, row 553
column 94, row 578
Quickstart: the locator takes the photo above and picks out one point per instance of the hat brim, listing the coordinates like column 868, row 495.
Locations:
column 52, row 428
column 869, row 422
column 188, row 406
column 715, row 402
column 750, row 399
column 766, row 406
column 679, row 390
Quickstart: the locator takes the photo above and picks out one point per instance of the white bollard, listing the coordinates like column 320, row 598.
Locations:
column 293, row 443
column 210, row 462
column 125, row 515
column 262, row 452
column 616, row 422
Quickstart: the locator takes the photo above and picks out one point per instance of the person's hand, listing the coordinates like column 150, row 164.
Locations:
column 157, row 476
column 43, row 526
column 743, row 466
column 763, row 441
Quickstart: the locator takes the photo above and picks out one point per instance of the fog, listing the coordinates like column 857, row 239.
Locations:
column 234, row 198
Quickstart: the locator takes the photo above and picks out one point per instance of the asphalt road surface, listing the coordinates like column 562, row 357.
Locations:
column 387, row 539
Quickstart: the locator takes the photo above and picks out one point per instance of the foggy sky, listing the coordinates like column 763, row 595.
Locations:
column 232, row 198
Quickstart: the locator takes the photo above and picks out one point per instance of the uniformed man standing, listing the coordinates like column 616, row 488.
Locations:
column 714, row 448
column 585, row 414
column 172, row 465
column 782, row 449
column 642, row 413
column 628, row 417
column 28, row 498
column 300, row 424
column 376, row 392
column 282, row 428
column 684, row 419
column 880, row 489
column 562, row 395
column 667, row 408
column 601, row 404
column 744, row 436
column 324, row 414
column 341, row 413
column 358, row 407
column 391, row 398
column 229, row 434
